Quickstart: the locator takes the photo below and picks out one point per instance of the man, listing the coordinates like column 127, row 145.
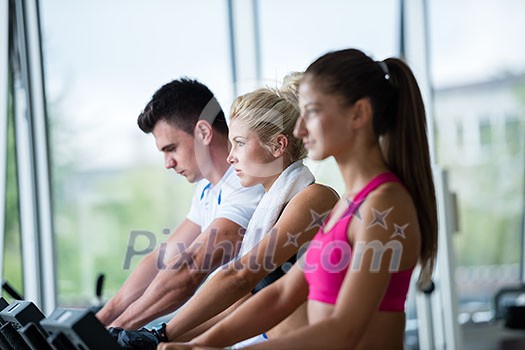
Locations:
column 189, row 127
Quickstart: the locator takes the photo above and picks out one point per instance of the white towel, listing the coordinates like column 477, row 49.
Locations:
column 292, row 180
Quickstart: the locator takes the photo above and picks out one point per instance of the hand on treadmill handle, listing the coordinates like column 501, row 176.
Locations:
column 139, row 339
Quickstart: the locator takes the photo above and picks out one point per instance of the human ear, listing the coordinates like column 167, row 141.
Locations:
column 361, row 112
column 279, row 145
column 204, row 131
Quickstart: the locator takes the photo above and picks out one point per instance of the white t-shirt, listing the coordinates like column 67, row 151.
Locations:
column 226, row 199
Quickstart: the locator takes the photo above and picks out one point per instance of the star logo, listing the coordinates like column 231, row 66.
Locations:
column 379, row 218
column 354, row 208
column 292, row 239
column 399, row 231
column 317, row 219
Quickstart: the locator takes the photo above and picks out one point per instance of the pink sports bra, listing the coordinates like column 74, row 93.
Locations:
column 329, row 255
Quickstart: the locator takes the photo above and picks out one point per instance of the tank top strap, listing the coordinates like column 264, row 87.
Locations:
column 373, row 184
column 359, row 198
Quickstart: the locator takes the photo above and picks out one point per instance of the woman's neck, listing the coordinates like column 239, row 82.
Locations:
column 358, row 168
column 268, row 182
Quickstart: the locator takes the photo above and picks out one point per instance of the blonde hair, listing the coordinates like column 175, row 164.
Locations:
column 270, row 112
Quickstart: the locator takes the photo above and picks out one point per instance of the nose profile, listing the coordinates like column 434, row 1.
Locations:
column 300, row 130
column 230, row 159
column 169, row 162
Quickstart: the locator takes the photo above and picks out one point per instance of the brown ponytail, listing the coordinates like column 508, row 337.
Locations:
column 407, row 154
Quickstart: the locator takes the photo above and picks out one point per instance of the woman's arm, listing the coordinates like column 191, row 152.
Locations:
column 240, row 277
column 203, row 327
column 344, row 328
column 365, row 283
column 261, row 312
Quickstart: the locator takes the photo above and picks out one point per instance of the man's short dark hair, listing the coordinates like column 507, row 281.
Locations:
column 182, row 103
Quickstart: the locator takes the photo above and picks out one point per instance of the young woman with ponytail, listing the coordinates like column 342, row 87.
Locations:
column 355, row 275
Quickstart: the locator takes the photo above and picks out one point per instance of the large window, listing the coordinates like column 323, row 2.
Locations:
column 479, row 75
column 103, row 62
column 295, row 32
column 104, row 59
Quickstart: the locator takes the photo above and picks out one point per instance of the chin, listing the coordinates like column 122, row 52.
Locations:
column 191, row 178
column 315, row 156
column 247, row 182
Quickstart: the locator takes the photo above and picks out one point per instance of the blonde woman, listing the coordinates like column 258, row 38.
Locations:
column 264, row 151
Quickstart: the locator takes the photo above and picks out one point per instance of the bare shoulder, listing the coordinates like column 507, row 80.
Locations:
column 391, row 194
column 314, row 198
column 387, row 215
column 317, row 192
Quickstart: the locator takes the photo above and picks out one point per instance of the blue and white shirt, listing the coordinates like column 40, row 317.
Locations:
column 226, row 199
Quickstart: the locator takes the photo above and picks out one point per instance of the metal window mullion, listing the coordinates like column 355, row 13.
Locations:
column 26, row 191
column 245, row 48
column 31, row 141
column 4, row 95
column 447, row 263
column 522, row 256
column 441, row 312
column 257, row 40
column 233, row 50
column 28, row 227
column 423, row 301
column 41, row 156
